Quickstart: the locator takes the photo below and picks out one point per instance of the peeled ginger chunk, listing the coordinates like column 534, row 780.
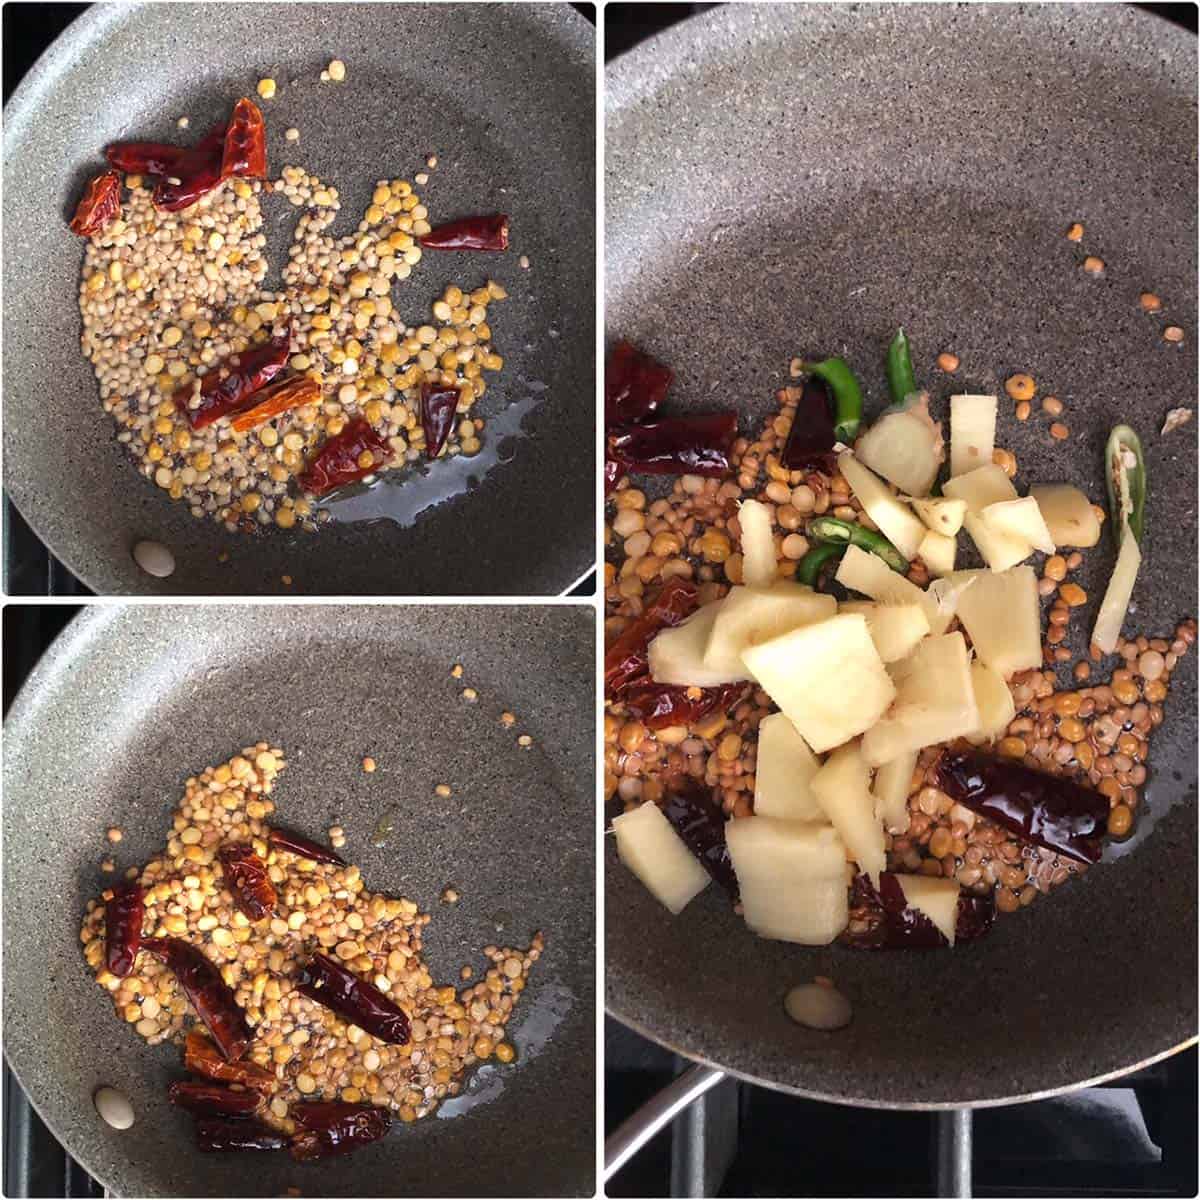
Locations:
column 1068, row 514
column 827, row 677
column 792, row 878
column 758, row 544
column 657, row 855
column 1002, row 615
column 843, row 789
column 783, row 773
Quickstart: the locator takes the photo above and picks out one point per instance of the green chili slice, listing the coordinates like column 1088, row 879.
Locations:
column 847, row 396
column 901, row 380
column 1125, row 473
column 808, row 569
column 834, row 531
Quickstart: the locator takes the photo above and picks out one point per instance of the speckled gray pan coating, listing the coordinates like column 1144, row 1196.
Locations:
column 503, row 95
column 789, row 180
column 130, row 700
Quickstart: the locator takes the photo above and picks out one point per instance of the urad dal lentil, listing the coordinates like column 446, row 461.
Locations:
column 313, row 1053
column 166, row 297
column 1098, row 735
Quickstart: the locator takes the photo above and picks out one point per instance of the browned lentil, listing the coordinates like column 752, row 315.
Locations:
column 943, row 838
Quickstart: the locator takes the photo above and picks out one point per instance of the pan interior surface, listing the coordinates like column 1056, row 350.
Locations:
column 497, row 97
column 809, row 178
column 130, row 701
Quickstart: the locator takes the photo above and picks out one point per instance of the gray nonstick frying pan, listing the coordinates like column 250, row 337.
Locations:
column 502, row 96
column 800, row 180
column 130, row 700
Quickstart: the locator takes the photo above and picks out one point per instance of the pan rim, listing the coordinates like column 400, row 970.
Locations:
column 564, row 26
column 638, row 81
column 898, row 1105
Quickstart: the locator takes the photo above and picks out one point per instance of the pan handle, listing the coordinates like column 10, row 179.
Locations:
column 655, row 1114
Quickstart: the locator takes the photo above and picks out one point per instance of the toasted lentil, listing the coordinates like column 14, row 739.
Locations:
column 311, row 1052
column 166, row 297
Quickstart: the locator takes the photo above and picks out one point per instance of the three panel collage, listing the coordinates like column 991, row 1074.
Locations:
column 599, row 599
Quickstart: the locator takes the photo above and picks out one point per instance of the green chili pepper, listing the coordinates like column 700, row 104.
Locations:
column 847, row 396
column 808, row 569
column 901, row 380
column 834, row 531
column 1125, row 473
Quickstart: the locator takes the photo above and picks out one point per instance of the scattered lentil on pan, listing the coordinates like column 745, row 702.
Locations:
column 314, row 1054
column 699, row 517
column 166, row 297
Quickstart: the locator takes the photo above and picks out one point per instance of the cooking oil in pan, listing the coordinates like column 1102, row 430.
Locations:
column 530, row 1031
column 402, row 496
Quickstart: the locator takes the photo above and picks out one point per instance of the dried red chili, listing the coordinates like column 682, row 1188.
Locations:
column 237, row 1135
column 356, row 451
column 658, row 705
column 279, row 397
column 232, row 384
column 101, row 203
column 355, row 1000
column 811, row 438
column 634, row 385
column 332, row 1127
column 1049, row 811
column 247, row 880
column 471, row 233
column 210, row 995
column 212, row 1100
column 696, row 815
column 201, row 1057
column 625, row 660
column 284, row 839
column 438, row 406
column 123, row 928
column 676, row 445
column 197, row 172
column 244, row 150
column 885, row 921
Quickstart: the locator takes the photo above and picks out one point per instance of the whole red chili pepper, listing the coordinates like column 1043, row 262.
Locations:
column 212, row 1100
column 201, row 1057
column 237, row 1135
column 634, row 385
column 101, row 203
column 295, row 844
column 123, row 928
column 1049, row 811
column 344, row 458
column 331, row 1128
column 247, row 880
column 438, row 406
column 811, row 437
column 658, row 705
column 198, row 171
column 210, row 995
column 625, row 660
column 676, row 445
column 353, row 999
column 244, row 151
column 231, row 385
column 471, row 233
